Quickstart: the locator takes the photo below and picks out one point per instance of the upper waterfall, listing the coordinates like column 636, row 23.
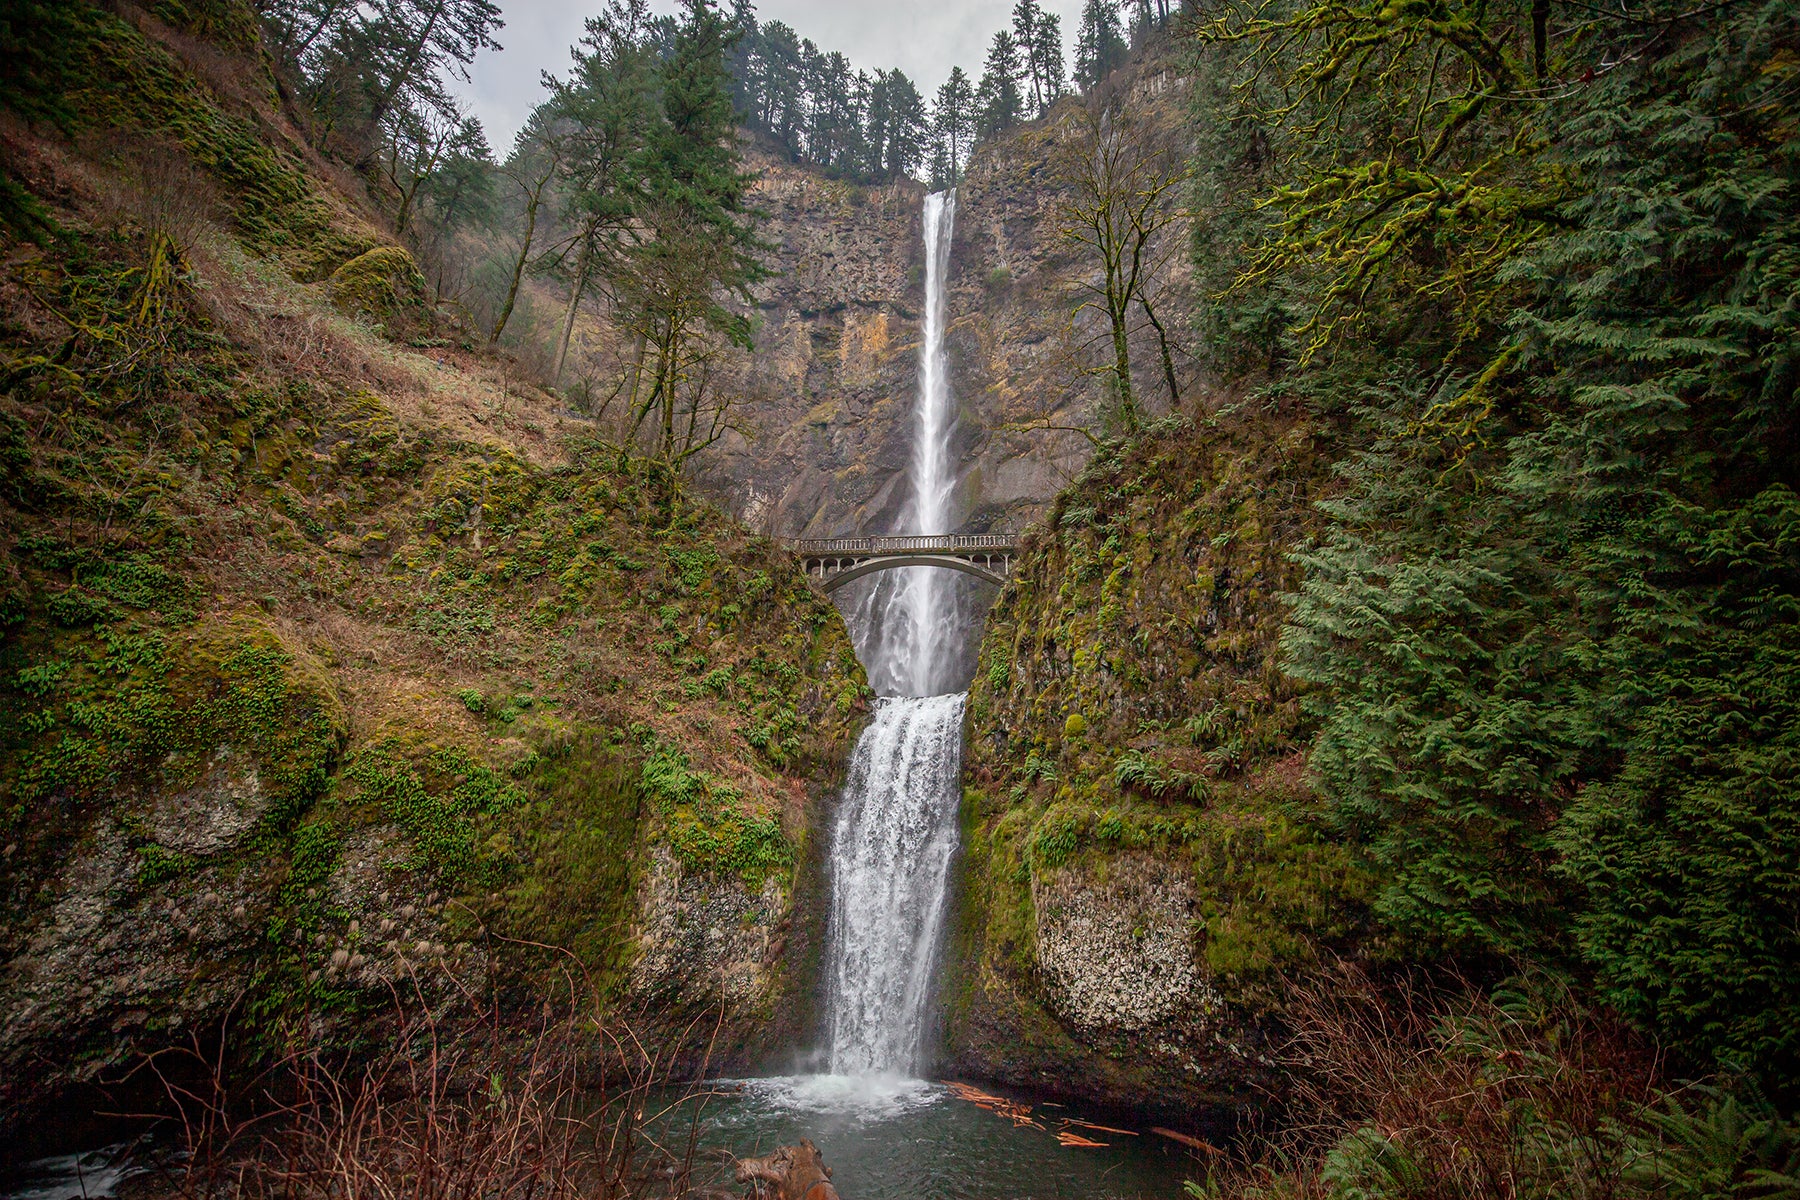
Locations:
column 912, row 624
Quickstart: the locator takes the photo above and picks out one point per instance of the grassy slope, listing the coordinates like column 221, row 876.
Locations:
column 393, row 598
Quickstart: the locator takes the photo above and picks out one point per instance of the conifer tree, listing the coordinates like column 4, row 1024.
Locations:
column 602, row 114
column 1100, row 47
column 781, row 80
column 1047, row 59
column 998, row 102
column 692, row 242
column 1027, row 22
column 953, row 122
column 1553, row 623
column 908, row 127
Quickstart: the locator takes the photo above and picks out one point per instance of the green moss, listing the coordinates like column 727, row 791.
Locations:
column 227, row 23
column 446, row 803
column 131, row 703
column 705, row 822
column 1272, row 892
column 385, row 286
column 158, row 865
column 131, row 83
column 578, row 836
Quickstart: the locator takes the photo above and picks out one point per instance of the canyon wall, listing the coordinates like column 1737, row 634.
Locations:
column 831, row 386
column 338, row 670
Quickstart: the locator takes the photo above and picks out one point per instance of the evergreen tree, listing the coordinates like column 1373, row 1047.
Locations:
column 416, row 43
column 692, row 241
column 878, row 124
column 1047, row 60
column 601, row 116
column 908, row 129
column 1100, row 47
column 781, row 81
column 953, row 123
column 998, row 103
column 1028, row 20
column 1553, row 625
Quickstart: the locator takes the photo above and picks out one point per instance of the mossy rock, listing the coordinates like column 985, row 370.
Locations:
column 386, row 286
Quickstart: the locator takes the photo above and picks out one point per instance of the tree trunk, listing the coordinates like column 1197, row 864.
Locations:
column 1162, row 340
column 568, row 327
column 413, row 54
column 518, row 273
column 1122, row 366
column 331, row 10
column 1540, row 37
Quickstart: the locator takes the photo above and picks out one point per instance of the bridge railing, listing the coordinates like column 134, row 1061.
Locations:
column 941, row 543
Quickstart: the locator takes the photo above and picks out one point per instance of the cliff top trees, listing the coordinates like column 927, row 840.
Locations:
column 1100, row 45
column 999, row 105
column 894, row 139
column 1038, row 35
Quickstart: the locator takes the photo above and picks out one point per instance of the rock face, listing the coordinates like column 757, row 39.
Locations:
column 833, row 380
column 1139, row 856
column 701, row 938
column 1116, row 950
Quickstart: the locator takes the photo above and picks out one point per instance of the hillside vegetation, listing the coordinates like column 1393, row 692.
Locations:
column 334, row 656
column 1454, row 633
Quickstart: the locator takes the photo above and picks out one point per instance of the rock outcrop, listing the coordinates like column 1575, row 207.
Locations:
column 1139, row 855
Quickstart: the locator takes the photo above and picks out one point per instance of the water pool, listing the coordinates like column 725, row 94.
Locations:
column 890, row 1138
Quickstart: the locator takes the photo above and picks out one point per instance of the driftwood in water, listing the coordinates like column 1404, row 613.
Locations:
column 790, row 1173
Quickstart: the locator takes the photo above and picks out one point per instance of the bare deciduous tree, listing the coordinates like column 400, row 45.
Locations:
column 1124, row 178
column 533, row 165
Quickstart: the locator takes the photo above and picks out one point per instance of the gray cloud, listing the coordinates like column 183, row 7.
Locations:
column 924, row 40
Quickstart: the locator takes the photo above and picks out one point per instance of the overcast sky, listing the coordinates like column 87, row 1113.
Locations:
column 923, row 39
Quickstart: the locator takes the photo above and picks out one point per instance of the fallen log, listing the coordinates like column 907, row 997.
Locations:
column 1101, row 1128
column 790, row 1173
column 1186, row 1139
column 1075, row 1139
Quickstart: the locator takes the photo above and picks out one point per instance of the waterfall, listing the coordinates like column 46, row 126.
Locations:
column 911, row 622
column 891, row 856
column 896, row 828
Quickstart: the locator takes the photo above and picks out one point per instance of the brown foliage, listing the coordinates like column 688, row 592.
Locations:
column 569, row 1110
column 1454, row 1093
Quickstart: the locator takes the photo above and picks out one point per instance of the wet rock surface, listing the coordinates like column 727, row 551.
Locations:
column 1118, row 950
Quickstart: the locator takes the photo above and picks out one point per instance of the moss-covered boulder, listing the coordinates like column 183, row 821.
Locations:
column 157, row 783
column 1139, row 856
column 383, row 285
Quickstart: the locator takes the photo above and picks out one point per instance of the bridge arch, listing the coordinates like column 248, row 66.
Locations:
column 888, row 562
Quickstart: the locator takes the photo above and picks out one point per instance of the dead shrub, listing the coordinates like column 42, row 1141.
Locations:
column 1422, row 1090
column 570, row 1109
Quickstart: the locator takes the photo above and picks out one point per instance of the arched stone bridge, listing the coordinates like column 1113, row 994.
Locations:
column 834, row 562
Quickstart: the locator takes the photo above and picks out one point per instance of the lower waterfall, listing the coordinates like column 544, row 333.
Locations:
column 891, row 851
